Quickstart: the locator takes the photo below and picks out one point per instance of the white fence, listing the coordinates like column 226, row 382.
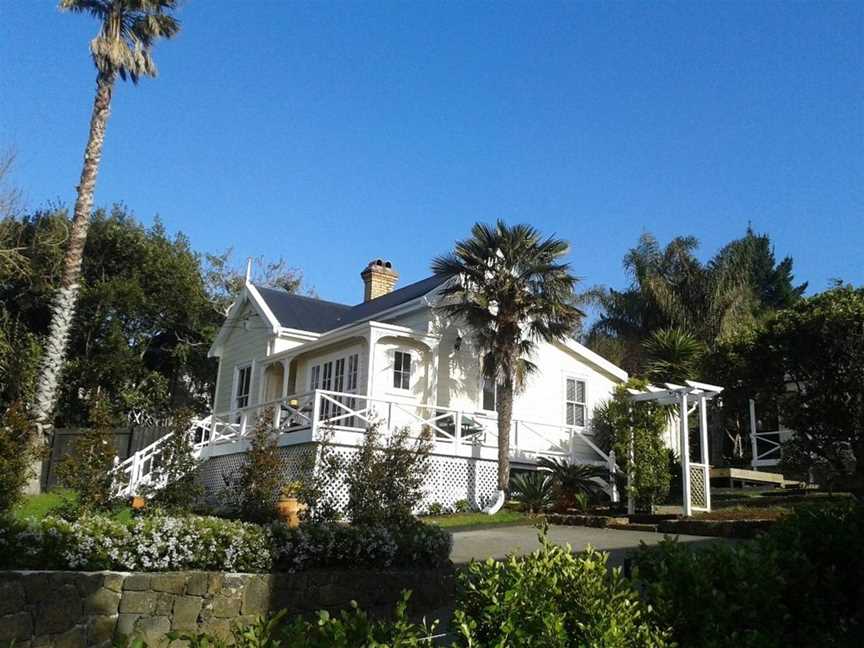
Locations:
column 303, row 418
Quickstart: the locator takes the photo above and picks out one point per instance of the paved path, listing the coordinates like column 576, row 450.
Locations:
column 497, row 542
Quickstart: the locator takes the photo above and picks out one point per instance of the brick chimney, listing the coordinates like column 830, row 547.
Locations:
column 379, row 278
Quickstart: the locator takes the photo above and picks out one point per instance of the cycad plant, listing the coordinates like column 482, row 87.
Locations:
column 534, row 490
column 123, row 47
column 572, row 480
column 512, row 290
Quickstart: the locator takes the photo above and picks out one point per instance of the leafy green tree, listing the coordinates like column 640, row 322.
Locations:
column 810, row 357
column 513, row 290
column 616, row 422
column 772, row 282
column 128, row 30
column 144, row 320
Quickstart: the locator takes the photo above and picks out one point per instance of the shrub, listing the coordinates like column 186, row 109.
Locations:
column 180, row 490
column 799, row 585
column 335, row 545
column 87, row 469
column 534, row 490
column 252, row 494
column 166, row 543
column 436, row 508
column 351, row 628
column 551, row 598
column 319, row 470
column 614, row 421
column 16, row 456
column 385, row 478
column 462, row 506
column 153, row 543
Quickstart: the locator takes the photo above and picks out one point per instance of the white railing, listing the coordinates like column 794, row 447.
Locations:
column 347, row 416
column 767, row 447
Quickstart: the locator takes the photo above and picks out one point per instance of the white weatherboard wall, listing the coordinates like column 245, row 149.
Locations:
column 247, row 342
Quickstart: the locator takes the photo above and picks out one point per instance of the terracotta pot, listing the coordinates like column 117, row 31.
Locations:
column 137, row 503
column 288, row 509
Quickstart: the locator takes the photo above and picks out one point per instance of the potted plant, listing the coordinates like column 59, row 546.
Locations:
column 289, row 507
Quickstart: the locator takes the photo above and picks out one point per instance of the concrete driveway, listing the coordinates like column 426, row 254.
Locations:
column 497, row 542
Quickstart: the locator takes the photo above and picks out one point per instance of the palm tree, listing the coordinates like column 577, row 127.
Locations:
column 128, row 30
column 671, row 288
column 672, row 355
column 513, row 291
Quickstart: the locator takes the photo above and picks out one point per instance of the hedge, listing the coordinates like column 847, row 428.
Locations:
column 169, row 543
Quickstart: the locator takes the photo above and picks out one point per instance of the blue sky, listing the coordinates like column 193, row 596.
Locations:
column 334, row 133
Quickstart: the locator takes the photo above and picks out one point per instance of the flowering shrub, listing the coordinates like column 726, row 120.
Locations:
column 164, row 543
column 153, row 543
column 330, row 545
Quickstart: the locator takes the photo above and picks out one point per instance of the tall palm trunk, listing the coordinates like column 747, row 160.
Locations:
column 66, row 298
column 505, row 419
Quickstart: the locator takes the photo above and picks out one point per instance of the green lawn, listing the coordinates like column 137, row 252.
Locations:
column 36, row 507
column 478, row 519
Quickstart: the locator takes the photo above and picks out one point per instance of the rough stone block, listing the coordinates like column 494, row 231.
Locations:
column 164, row 604
column 186, row 611
column 256, row 596
column 138, row 602
column 225, row 607
column 113, row 582
column 59, row 612
column 172, row 583
column 102, row 601
column 11, row 597
column 74, row 638
column 100, row 629
column 196, row 584
column 214, row 582
column 125, row 624
column 137, row 582
column 88, row 583
column 37, row 588
column 218, row 627
column 15, row 627
column 153, row 629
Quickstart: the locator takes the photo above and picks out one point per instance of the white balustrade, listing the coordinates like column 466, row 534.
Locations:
column 348, row 416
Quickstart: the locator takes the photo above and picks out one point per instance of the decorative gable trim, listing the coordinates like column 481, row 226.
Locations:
column 248, row 294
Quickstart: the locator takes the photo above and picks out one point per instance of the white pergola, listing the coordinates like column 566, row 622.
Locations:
column 696, row 477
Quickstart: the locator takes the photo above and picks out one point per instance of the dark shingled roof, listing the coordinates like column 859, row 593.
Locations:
column 318, row 316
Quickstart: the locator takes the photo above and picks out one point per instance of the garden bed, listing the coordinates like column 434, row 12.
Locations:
column 742, row 529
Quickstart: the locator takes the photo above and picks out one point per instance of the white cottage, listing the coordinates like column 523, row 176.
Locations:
column 313, row 364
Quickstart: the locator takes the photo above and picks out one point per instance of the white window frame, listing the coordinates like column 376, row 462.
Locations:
column 481, row 404
column 235, row 387
column 584, row 403
column 401, row 372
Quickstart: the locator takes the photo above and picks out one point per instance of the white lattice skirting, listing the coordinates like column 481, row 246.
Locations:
column 450, row 479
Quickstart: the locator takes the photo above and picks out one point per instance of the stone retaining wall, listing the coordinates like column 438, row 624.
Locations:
column 76, row 609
